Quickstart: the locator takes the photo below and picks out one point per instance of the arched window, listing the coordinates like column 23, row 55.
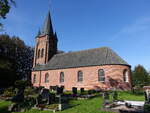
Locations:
column 80, row 76
column 39, row 53
column 46, row 78
column 125, row 76
column 34, row 78
column 62, row 77
column 42, row 53
column 101, row 75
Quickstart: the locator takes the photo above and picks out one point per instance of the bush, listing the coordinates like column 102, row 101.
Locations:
column 30, row 91
column 91, row 91
column 9, row 92
column 146, row 108
column 1, row 90
column 21, row 83
column 28, row 103
column 68, row 92
column 115, row 95
column 82, row 91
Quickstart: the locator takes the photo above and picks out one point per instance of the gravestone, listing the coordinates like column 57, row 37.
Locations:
column 53, row 88
column 147, row 96
column 60, row 90
column 43, row 97
column 106, row 98
column 74, row 91
column 82, row 91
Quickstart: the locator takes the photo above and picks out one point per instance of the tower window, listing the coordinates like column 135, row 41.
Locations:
column 101, row 75
column 61, row 77
column 125, row 76
column 42, row 53
column 46, row 78
column 39, row 53
column 34, row 78
column 80, row 76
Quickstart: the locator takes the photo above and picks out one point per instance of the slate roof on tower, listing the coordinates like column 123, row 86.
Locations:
column 90, row 57
column 47, row 26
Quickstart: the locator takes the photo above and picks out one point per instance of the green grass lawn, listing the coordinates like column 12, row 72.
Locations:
column 81, row 106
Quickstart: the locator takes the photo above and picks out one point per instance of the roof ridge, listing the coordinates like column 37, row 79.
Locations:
column 84, row 50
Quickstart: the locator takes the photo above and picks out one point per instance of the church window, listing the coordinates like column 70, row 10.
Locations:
column 39, row 53
column 46, row 78
column 34, row 78
column 125, row 76
column 62, row 77
column 101, row 75
column 80, row 76
column 42, row 53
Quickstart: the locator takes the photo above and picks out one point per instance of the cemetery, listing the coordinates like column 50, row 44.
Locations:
column 56, row 99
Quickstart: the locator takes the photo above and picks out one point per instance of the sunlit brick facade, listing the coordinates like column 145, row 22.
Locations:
column 99, row 68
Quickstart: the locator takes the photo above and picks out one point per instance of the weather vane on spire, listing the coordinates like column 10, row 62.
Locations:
column 49, row 4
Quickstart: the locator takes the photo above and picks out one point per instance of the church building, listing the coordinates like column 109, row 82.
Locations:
column 98, row 68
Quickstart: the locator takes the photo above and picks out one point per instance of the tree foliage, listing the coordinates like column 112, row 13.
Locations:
column 5, row 6
column 140, row 76
column 15, row 60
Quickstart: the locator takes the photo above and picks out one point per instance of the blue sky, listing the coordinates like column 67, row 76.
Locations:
column 123, row 25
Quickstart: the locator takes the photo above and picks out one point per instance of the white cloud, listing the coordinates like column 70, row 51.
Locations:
column 140, row 25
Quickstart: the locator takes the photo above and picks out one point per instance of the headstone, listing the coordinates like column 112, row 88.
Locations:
column 82, row 90
column 53, row 88
column 44, row 95
column 60, row 103
column 147, row 96
column 74, row 90
column 60, row 90
column 106, row 98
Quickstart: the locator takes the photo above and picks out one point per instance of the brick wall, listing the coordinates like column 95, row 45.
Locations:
column 113, row 77
column 41, row 43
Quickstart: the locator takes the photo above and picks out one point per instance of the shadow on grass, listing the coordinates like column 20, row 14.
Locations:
column 71, row 106
column 4, row 109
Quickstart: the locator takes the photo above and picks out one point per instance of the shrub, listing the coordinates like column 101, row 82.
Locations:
column 91, row 91
column 146, row 108
column 68, row 92
column 30, row 91
column 28, row 103
column 9, row 92
column 1, row 90
column 21, row 83
column 115, row 95
column 82, row 91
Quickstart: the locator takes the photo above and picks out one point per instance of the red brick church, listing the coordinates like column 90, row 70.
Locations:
column 99, row 68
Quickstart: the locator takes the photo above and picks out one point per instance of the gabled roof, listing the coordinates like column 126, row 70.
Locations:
column 91, row 57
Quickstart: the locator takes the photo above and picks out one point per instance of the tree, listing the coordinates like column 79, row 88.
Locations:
column 140, row 76
column 5, row 6
column 15, row 60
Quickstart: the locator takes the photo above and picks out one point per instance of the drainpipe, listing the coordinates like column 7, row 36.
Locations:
column 40, row 79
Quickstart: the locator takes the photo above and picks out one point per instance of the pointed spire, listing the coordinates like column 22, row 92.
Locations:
column 56, row 36
column 48, row 28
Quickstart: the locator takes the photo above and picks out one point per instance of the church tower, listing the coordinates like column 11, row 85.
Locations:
column 46, row 43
